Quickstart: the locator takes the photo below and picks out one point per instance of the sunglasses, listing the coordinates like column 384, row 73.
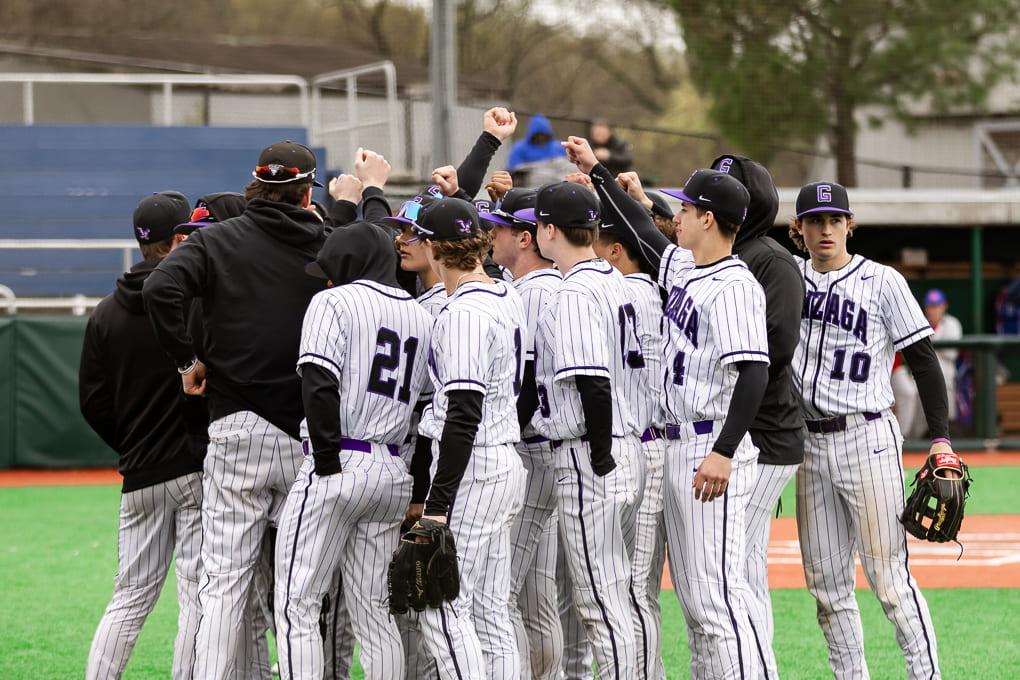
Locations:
column 278, row 174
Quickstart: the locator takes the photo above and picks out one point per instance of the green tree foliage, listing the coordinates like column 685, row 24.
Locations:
column 784, row 71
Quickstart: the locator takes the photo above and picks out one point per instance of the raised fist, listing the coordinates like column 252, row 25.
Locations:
column 500, row 123
column 372, row 169
column 582, row 179
column 346, row 188
column 631, row 183
column 580, row 154
column 446, row 179
column 499, row 184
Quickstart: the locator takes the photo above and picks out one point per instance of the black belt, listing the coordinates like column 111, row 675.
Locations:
column 837, row 424
column 348, row 444
column 674, row 432
column 557, row 443
column 537, row 439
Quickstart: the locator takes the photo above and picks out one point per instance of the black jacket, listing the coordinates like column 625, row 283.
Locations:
column 778, row 430
column 130, row 393
column 250, row 273
column 621, row 155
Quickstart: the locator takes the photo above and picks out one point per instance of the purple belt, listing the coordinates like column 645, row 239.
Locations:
column 346, row 444
column 837, row 424
column 699, row 427
column 650, row 435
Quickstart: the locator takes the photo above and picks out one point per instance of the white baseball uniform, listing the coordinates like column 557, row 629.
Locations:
column 374, row 340
column 850, row 487
column 644, row 389
column 536, row 289
column 478, row 345
column 714, row 317
column 589, row 329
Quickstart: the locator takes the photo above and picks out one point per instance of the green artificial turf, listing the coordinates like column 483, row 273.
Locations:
column 59, row 559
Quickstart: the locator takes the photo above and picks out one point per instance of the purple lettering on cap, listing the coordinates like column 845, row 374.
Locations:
column 143, row 233
column 725, row 164
column 824, row 193
column 593, row 215
column 464, row 226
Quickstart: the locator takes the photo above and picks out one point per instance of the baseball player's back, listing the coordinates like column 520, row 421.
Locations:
column 363, row 361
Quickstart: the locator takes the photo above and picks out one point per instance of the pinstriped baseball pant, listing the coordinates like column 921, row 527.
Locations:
column 472, row 637
column 155, row 523
column 706, row 558
column 849, row 499
column 525, row 537
column 350, row 520
column 647, row 562
column 540, row 610
column 761, row 503
column 249, row 468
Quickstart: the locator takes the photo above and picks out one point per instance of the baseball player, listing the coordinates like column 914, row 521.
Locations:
column 643, row 387
column 249, row 272
column 514, row 248
column 715, row 373
column 586, row 341
column 129, row 394
column 363, row 366
column 856, row 315
column 476, row 363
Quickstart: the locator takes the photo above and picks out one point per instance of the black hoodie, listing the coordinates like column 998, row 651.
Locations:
column 130, row 392
column 778, row 429
column 250, row 273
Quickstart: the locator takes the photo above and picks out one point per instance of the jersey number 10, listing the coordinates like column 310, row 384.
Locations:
column 382, row 379
column 860, row 366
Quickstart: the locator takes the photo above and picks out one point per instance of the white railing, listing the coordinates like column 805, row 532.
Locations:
column 127, row 247
column 354, row 122
column 166, row 80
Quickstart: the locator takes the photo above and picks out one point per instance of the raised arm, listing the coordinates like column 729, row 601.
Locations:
column 498, row 125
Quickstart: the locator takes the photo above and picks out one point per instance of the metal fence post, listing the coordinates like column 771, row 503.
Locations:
column 977, row 299
column 168, row 108
column 28, row 102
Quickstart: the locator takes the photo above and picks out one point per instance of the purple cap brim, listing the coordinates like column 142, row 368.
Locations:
column 188, row 227
column 494, row 219
column 528, row 215
column 679, row 193
column 398, row 219
column 825, row 209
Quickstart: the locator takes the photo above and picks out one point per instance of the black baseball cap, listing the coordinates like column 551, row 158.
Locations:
column 823, row 197
column 659, row 205
column 448, row 219
column 717, row 191
column 485, row 207
column 565, row 204
column 730, row 166
column 286, row 162
column 157, row 215
column 510, row 211
column 212, row 208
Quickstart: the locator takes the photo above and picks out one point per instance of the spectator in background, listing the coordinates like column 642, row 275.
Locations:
column 908, row 404
column 539, row 145
column 612, row 152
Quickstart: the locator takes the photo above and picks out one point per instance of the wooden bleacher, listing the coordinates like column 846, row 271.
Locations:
column 1008, row 405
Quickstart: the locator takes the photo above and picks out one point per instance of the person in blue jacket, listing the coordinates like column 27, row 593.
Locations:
column 539, row 144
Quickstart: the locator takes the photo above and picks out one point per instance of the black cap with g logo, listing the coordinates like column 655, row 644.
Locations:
column 823, row 197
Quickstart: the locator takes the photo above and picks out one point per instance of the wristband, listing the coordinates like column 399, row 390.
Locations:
column 941, row 440
column 188, row 367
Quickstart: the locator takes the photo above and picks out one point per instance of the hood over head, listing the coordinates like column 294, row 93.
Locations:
column 539, row 125
column 288, row 223
column 129, row 286
column 361, row 250
column 224, row 204
column 764, row 205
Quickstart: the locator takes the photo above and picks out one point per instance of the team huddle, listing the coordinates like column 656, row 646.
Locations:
column 506, row 415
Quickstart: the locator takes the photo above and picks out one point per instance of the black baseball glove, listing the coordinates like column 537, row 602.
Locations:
column 423, row 571
column 934, row 510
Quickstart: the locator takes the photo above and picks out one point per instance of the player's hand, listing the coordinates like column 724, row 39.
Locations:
column 436, row 518
column 602, row 153
column 499, row 184
column 712, row 477
column 446, row 179
column 371, row 168
column 631, row 183
column 413, row 514
column 580, row 154
column 346, row 188
column 582, row 179
column 194, row 380
column 500, row 123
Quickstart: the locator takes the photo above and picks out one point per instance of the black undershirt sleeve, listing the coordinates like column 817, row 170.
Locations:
column 463, row 414
column 619, row 208
column 374, row 205
column 931, row 385
column 471, row 171
column 597, row 406
column 421, row 466
column 320, row 394
column 527, row 400
column 342, row 213
column 747, row 393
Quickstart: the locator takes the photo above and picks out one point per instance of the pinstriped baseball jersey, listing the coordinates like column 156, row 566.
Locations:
column 536, row 289
column 588, row 328
column 714, row 316
column 375, row 340
column 434, row 299
column 644, row 385
column 852, row 323
column 478, row 344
